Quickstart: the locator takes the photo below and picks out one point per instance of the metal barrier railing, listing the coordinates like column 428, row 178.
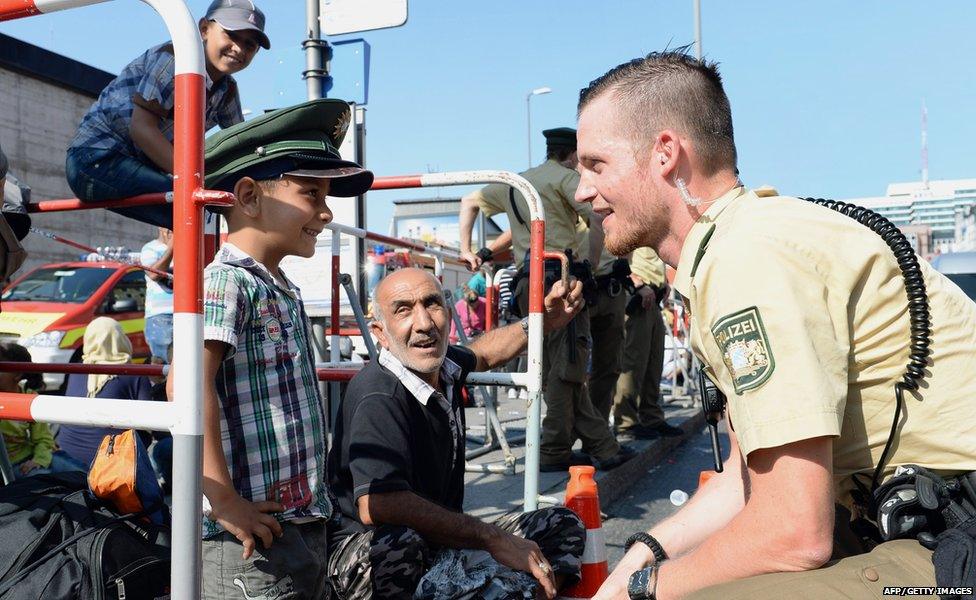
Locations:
column 684, row 376
column 184, row 416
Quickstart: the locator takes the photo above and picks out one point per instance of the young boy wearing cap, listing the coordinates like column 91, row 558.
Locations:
column 264, row 452
column 124, row 144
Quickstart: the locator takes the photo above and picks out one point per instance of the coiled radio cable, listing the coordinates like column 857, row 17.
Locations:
column 918, row 309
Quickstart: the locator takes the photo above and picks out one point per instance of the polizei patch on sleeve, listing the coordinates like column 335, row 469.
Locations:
column 745, row 348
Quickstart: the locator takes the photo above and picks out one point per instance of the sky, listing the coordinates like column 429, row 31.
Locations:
column 826, row 96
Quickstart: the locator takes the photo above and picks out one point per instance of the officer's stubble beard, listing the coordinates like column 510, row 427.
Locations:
column 646, row 225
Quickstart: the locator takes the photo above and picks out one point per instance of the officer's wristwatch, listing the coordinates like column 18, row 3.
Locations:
column 525, row 325
column 485, row 254
column 643, row 584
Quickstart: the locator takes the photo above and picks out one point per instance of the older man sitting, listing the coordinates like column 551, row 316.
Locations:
column 397, row 458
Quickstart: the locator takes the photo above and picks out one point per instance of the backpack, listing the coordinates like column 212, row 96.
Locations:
column 122, row 475
column 64, row 543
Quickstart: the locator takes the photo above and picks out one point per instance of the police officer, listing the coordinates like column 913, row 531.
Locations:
column 636, row 403
column 569, row 412
column 800, row 316
column 609, row 302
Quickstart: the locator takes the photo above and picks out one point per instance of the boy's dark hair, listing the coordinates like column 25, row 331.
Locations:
column 11, row 352
column 268, row 185
column 670, row 89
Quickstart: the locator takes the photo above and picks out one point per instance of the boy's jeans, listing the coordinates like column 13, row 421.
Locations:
column 293, row 568
column 159, row 335
column 96, row 174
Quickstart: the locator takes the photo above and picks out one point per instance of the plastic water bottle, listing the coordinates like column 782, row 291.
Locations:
column 679, row 497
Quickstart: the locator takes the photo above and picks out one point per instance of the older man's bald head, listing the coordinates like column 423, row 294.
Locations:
column 412, row 319
column 400, row 280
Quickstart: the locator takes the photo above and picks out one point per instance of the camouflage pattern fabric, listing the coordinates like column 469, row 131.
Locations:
column 389, row 561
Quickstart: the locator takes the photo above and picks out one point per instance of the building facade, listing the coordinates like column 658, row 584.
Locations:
column 43, row 97
column 932, row 210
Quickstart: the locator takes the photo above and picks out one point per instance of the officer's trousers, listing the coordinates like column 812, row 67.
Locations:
column 607, row 330
column 570, row 414
column 903, row 563
column 637, row 397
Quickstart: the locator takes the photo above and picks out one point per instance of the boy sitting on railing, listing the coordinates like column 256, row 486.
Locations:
column 264, row 452
column 124, row 145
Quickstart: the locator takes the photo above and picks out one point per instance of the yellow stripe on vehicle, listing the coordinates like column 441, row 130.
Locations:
column 26, row 324
column 129, row 326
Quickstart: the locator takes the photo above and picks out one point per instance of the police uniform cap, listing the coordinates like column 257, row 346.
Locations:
column 300, row 140
column 560, row 137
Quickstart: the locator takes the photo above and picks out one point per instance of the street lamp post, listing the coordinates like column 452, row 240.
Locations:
column 528, row 115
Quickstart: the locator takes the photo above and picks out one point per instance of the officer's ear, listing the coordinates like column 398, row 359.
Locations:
column 666, row 152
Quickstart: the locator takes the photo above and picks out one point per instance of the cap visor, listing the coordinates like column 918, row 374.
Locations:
column 231, row 24
column 347, row 178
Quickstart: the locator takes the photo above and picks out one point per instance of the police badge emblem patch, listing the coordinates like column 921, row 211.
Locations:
column 745, row 348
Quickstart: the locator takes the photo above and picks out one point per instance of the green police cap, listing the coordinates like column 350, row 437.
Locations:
column 301, row 140
column 560, row 137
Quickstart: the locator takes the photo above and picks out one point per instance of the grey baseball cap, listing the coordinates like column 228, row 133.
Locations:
column 237, row 15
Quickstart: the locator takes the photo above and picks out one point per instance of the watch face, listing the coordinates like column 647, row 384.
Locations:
column 637, row 587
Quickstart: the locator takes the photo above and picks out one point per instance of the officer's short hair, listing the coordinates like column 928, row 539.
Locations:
column 671, row 89
column 559, row 153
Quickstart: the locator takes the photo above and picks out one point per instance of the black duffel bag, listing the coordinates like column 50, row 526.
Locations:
column 59, row 541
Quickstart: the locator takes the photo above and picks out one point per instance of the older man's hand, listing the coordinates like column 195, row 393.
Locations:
column 562, row 304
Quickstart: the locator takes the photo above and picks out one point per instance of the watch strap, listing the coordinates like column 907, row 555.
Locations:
column 651, row 542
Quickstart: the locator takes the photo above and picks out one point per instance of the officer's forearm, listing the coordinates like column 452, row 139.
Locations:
column 502, row 242
column 468, row 212
column 708, row 511
column 785, row 526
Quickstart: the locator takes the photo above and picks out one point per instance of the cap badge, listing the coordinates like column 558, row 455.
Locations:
column 342, row 125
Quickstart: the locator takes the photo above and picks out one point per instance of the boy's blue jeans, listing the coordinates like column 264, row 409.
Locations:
column 159, row 335
column 96, row 174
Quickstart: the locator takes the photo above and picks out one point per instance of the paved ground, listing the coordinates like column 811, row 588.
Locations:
column 648, row 500
column 489, row 495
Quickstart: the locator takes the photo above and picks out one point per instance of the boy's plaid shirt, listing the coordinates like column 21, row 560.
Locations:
column 272, row 423
column 152, row 76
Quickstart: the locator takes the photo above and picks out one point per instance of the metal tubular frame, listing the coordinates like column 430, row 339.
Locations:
column 184, row 416
column 492, row 423
column 684, row 394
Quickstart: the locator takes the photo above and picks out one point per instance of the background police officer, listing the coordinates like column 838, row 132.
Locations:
column 637, row 408
column 569, row 412
column 800, row 315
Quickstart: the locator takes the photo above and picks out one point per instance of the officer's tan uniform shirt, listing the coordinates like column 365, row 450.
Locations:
column 646, row 264
column 802, row 314
column 556, row 186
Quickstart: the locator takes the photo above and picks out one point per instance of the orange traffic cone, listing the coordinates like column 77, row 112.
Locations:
column 582, row 499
